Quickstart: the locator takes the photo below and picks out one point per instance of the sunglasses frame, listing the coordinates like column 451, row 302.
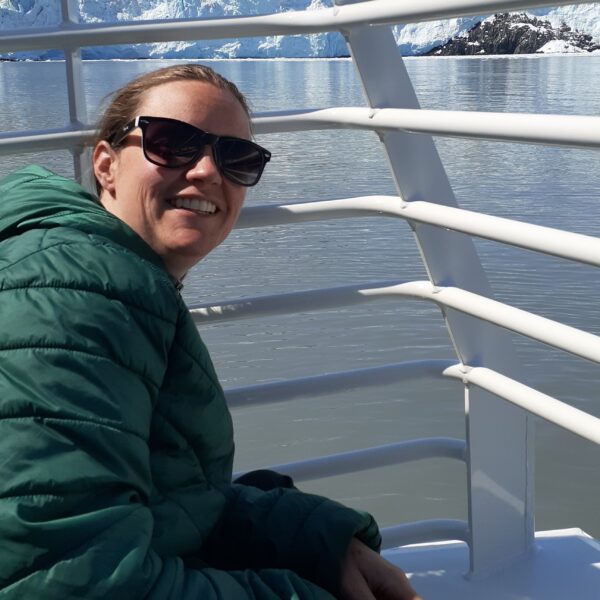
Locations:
column 209, row 139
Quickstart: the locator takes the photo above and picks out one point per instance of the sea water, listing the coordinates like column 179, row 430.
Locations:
column 548, row 186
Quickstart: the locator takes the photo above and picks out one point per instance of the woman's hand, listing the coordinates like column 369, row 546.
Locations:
column 367, row 576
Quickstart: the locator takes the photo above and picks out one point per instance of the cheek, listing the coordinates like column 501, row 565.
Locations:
column 139, row 175
column 235, row 202
column 238, row 195
column 149, row 193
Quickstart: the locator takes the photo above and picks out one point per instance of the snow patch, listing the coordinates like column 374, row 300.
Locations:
column 561, row 47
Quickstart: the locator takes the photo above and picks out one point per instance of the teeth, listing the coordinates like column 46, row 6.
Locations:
column 202, row 206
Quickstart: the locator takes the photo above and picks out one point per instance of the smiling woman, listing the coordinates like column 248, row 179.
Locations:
column 117, row 443
column 162, row 205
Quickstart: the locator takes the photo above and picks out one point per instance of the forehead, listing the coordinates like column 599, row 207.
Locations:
column 197, row 102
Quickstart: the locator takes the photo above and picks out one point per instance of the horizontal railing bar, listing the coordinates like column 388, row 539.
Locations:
column 544, row 406
column 421, row 532
column 558, row 335
column 371, row 458
column 564, row 337
column 538, row 403
column 560, row 130
column 555, row 242
column 547, row 240
column 41, row 140
column 577, row 131
column 331, row 383
column 375, row 12
column 296, row 302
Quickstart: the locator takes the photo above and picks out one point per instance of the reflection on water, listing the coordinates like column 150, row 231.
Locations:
column 549, row 186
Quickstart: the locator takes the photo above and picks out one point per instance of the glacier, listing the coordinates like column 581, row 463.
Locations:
column 411, row 39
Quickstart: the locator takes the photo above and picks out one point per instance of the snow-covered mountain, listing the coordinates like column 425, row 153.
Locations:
column 517, row 34
column 420, row 38
column 411, row 39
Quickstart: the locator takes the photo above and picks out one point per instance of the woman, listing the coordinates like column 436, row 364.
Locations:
column 116, row 443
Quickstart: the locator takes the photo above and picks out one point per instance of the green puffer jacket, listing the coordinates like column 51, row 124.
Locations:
column 115, row 441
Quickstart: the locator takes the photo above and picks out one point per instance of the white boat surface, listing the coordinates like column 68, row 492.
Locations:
column 496, row 554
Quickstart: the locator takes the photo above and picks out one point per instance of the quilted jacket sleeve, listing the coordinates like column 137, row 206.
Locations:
column 289, row 529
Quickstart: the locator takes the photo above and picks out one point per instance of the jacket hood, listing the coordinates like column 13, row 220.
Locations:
column 35, row 198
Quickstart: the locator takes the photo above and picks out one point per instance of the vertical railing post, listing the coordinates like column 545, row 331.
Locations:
column 499, row 436
column 76, row 93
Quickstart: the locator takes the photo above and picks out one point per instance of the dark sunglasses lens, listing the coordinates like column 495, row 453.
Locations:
column 240, row 161
column 171, row 144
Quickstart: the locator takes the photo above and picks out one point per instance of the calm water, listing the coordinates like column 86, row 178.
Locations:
column 548, row 186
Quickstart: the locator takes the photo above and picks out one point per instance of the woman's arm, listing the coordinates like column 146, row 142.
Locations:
column 76, row 399
column 286, row 528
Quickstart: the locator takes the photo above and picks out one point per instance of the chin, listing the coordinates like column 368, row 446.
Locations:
column 191, row 245
column 188, row 255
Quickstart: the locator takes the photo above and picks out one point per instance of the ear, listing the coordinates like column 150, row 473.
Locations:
column 104, row 161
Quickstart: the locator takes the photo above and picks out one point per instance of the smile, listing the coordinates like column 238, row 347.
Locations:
column 199, row 206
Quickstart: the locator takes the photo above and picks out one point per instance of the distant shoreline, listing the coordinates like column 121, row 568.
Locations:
column 311, row 59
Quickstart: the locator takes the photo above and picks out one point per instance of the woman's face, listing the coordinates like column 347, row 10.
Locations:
column 144, row 195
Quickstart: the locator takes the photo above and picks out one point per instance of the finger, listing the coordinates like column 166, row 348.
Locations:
column 406, row 588
column 392, row 584
column 356, row 588
column 397, row 590
column 382, row 579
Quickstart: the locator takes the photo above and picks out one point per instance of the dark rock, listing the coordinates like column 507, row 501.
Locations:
column 512, row 34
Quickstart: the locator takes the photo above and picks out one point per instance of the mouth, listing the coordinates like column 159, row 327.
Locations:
column 201, row 207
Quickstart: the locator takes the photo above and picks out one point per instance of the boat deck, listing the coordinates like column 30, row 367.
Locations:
column 565, row 565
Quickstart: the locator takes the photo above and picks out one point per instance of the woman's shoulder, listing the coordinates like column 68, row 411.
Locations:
column 30, row 188
column 54, row 233
column 87, row 263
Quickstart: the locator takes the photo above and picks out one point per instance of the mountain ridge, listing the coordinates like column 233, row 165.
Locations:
column 411, row 39
column 516, row 33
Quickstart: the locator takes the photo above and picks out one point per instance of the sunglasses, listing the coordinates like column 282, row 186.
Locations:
column 174, row 144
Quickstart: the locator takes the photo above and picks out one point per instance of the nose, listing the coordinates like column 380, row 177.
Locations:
column 205, row 167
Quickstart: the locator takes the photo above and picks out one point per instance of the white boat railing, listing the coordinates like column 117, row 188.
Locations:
column 500, row 484
column 557, row 335
column 547, row 240
column 560, row 130
column 333, row 383
column 377, row 456
column 564, row 337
